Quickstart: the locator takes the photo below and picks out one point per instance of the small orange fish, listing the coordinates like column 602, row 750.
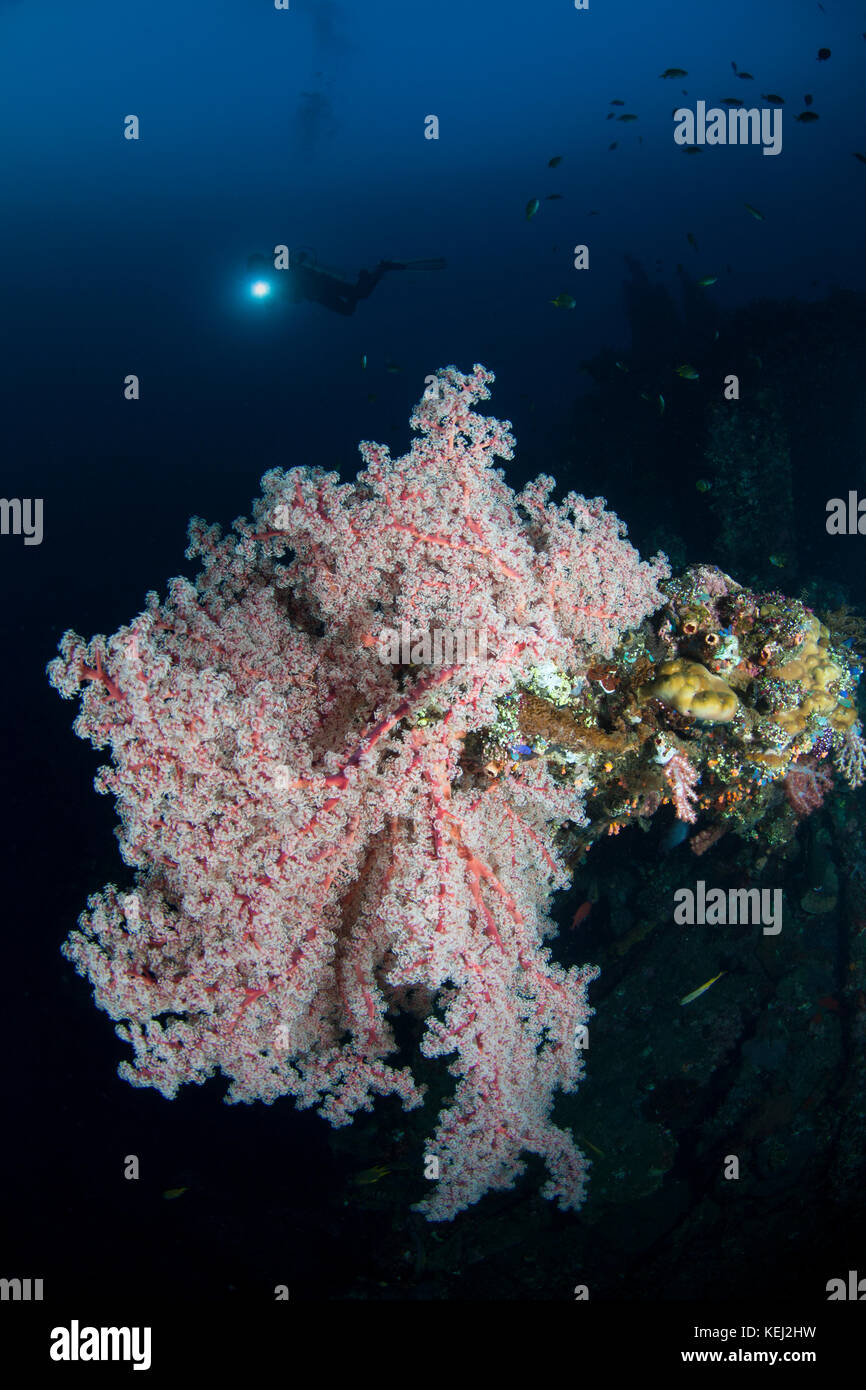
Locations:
column 582, row 913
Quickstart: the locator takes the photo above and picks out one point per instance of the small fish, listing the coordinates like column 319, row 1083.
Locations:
column 616, row 102
column 621, row 365
column 690, row 238
column 823, row 55
column 693, row 149
column 702, row 989
column 861, row 157
column 589, row 1144
column 393, row 367
column 171, row 1193
column 610, row 115
column 582, row 913
column 661, row 404
column 552, row 197
column 522, row 750
column 707, row 280
column 807, row 116
column 593, row 213
column 703, row 485
column 612, row 146
column 733, row 65
column 371, row 395
column 773, row 98
column 780, row 561
column 808, row 98
column 629, row 116
column 363, row 360
column 563, row 301
column 758, row 216
column 716, row 336
column 732, row 101
column 368, row 1176
column 532, row 207
column 555, row 162
column 674, row 72
column 687, row 372
column 746, row 76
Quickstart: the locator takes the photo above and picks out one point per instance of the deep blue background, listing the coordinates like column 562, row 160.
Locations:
column 306, row 128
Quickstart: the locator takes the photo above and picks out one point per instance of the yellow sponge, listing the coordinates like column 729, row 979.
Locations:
column 819, row 678
column 691, row 689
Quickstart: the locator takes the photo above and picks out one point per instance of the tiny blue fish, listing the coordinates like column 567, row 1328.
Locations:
column 521, row 750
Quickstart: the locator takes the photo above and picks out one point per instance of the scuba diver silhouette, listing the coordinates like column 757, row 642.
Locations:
column 306, row 279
